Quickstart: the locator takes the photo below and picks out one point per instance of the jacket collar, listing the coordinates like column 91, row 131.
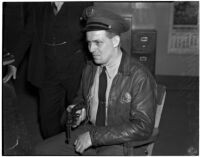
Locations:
column 124, row 66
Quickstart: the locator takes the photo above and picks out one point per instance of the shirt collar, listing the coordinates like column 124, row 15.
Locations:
column 58, row 4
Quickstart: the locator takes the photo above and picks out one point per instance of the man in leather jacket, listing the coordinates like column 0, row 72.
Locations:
column 130, row 95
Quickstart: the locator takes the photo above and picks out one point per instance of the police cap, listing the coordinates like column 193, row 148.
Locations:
column 101, row 19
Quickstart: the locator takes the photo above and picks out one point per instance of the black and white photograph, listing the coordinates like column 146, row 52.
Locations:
column 100, row 78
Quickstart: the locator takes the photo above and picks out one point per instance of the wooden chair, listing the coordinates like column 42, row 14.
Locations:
column 149, row 143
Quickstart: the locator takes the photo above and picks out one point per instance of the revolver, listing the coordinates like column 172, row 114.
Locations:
column 71, row 119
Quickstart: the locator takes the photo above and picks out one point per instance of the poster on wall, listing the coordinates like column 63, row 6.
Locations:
column 184, row 33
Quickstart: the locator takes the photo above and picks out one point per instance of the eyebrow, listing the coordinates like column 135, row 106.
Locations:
column 96, row 40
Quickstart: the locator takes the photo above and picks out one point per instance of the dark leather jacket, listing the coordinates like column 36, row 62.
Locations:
column 131, row 103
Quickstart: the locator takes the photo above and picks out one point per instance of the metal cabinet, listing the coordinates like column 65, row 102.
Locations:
column 144, row 47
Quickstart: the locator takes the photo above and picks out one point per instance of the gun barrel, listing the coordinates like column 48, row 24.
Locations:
column 68, row 127
column 67, row 133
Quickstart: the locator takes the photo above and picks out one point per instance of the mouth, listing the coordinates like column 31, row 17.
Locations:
column 95, row 56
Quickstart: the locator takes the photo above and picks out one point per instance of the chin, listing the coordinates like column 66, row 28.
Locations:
column 98, row 61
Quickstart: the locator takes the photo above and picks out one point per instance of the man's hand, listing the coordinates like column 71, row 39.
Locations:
column 82, row 116
column 12, row 70
column 7, row 58
column 83, row 142
column 7, row 62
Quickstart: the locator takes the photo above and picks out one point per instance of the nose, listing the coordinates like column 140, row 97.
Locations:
column 91, row 47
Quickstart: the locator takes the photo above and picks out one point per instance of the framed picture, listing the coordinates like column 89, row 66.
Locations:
column 185, row 13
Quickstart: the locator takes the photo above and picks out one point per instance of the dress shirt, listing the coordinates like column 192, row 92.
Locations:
column 111, row 71
column 58, row 5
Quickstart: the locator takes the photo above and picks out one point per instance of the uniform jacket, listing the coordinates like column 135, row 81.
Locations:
column 131, row 103
column 33, row 38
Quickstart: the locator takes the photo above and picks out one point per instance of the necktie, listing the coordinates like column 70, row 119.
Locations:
column 54, row 8
column 100, row 118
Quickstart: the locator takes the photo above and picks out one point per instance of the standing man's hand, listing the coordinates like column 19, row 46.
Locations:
column 7, row 62
column 12, row 70
column 83, row 142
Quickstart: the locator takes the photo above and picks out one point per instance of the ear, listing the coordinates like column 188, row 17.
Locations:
column 116, row 40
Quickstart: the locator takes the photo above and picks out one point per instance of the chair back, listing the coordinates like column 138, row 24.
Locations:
column 161, row 94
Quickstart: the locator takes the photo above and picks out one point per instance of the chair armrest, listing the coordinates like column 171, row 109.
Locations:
column 151, row 139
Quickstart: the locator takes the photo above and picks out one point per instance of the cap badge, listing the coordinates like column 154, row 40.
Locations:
column 90, row 12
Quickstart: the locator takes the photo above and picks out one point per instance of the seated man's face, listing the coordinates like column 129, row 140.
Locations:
column 101, row 46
